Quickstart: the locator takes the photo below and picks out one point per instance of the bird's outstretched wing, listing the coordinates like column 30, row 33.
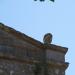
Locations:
column 44, row 0
column 52, row 0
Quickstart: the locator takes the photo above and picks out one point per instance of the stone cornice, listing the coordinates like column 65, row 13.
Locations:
column 59, row 64
column 50, row 63
column 26, row 38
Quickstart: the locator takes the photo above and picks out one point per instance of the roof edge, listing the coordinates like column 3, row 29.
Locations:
column 37, row 43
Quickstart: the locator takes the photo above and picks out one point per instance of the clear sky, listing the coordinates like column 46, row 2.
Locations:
column 37, row 18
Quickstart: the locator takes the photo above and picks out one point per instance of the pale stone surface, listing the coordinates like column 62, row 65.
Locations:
column 11, row 72
column 57, row 71
column 1, row 70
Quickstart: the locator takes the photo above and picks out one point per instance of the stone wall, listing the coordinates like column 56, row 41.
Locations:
column 15, row 48
column 55, row 55
column 8, row 67
column 15, row 68
column 18, row 57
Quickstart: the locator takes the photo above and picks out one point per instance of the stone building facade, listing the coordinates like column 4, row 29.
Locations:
column 23, row 55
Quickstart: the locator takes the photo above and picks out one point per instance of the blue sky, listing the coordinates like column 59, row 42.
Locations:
column 37, row 18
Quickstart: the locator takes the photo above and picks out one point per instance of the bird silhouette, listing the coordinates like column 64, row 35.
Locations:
column 52, row 0
column 44, row 0
column 47, row 38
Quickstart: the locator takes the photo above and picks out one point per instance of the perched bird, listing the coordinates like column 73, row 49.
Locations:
column 47, row 38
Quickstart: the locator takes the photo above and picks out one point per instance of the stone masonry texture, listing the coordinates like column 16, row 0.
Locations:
column 23, row 55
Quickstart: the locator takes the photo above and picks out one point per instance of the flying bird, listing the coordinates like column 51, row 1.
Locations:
column 52, row 0
column 44, row 0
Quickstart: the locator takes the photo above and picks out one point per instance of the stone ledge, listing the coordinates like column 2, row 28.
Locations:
column 24, row 37
column 50, row 63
